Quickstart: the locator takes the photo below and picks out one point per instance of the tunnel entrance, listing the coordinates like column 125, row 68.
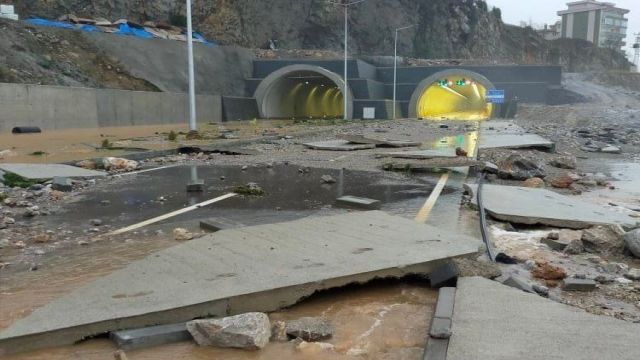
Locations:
column 301, row 91
column 452, row 95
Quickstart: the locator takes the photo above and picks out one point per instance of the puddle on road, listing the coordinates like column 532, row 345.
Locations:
column 385, row 320
column 290, row 194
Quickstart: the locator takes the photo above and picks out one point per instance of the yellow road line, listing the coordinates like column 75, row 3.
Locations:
column 424, row 212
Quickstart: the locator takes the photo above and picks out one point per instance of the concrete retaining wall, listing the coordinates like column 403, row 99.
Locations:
column 57, row 107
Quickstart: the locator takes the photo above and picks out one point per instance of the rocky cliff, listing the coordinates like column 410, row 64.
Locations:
column 453, row 29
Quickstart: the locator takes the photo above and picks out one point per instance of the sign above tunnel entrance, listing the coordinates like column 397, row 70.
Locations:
column 495, row 96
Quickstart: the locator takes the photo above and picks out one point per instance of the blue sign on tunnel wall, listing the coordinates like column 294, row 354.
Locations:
column 495, row 96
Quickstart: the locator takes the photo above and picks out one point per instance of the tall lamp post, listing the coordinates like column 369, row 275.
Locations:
column 192, row 87
column 345, row 4
column 395, row 66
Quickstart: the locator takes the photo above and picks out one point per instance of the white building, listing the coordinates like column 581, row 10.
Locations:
column 602, row 23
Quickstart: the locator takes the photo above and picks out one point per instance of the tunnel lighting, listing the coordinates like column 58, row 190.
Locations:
column 453, row 98
column 306, row 83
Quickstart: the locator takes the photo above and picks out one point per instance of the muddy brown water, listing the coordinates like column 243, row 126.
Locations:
column 386, row 320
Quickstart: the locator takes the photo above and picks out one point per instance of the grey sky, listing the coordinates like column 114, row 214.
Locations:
column 544, row 11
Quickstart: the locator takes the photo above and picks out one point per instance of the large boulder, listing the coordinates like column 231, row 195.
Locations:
column 603, row 240
column 119, row 164
column 245, row 331
column 632, row 240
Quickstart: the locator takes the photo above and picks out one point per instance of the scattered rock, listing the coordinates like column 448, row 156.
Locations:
column 95, row 222
column 461, row 152
column 632, row 240
column 327, row 179
column 87, row 164
column 246, row 331
column 252, row 189
column 561, row 182
column 519, row 282
column 633, row 274
column 540, row 289
column 518, row 167
column 119, row 164
column 574, row 247
column 603, row 239
column 534, row 182
column 62, row 184
column 42, row 238
column 182, row 234
column 610, row 149
column 310, row 329
column 546, row 271
column 564, row 162
column 120, row 355
column 279, row 331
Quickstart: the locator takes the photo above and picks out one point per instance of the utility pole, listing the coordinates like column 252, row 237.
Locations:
column 395, row 67
column 192, row 86
column 636, row 48
column 345, row 94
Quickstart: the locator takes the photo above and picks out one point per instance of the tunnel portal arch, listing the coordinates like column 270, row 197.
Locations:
column 303, row 91
column 433, row 100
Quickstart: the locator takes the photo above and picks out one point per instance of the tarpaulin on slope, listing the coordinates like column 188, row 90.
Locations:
column 125, row 29
column 50, row 23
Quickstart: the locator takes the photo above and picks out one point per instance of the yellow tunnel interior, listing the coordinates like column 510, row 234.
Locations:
column 304, row 95
column 455, row 98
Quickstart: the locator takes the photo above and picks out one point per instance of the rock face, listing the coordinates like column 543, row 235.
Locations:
column 632, row 240
column 310, row 329
column 246, row 331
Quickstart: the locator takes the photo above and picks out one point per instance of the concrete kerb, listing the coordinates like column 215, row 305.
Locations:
column 440, row 328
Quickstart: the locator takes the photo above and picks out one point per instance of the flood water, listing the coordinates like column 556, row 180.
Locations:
column 289, row 193
column 386, row 320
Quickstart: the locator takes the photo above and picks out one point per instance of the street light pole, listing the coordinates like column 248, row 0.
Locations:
column 192, row 86
column 345, row 93
column 395, row 66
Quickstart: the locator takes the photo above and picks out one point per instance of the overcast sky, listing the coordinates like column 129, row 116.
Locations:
column 544, row 11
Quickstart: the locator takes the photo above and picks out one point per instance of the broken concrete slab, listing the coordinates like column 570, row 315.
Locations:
column 217, row 224
column 444, row 275
column 150, row 336
column 62, row 184
column 573, row 284
column 421, row 154
column 361, row 139
column 493, row 321
column 506, row 134
column 257, row 268
column 338, row 145
column 49, row 171
column 519, row 282
column 429, row 164
column 358, row 202
column 514, row 141
column 540, row 206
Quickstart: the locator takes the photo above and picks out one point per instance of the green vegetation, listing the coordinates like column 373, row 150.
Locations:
column 14, row 180
column 173, row 136
column 497, row 13
column 39, row 153
column 3, row 196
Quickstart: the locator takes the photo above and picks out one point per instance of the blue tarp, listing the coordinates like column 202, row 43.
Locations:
column 50, row 23
column 125, row 29
column 89, row 28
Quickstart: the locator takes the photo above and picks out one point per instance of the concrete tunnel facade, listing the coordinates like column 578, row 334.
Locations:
column 303, row 91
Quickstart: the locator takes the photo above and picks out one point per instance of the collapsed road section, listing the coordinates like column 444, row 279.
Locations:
column 259, row 268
